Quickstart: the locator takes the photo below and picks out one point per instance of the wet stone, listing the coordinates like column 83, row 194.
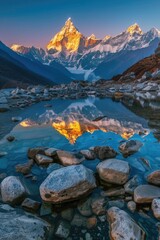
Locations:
column 67, row 214
column 31, row 205
column 85, row 208
column 63, row 230
column 104, row 152
column 98, row 206
column 43, row 160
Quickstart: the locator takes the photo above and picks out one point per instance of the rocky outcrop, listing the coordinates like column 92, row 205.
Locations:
column 113, row 171
column 67, row 184
column 122, row 226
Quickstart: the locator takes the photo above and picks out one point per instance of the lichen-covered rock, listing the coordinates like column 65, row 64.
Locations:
column 122, row 226
column 113, row 171
column 12, row 190
column 67, row 184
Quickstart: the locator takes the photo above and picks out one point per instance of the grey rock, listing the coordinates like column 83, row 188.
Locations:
column 98, row 206
column 114, row 192
column 51, row 152
column 52, row 167
column 85, row 208
column 154, row 177
column 132, row 184
column 130, row 147
column 131, row 206
column 116, row 203
column 67, row 214
column 79, row 221
column 113, row 171
column 122, row 226
column 88, row 154
column 30, row 205
column 21, row 226
column 146, row 193
column 156, row 208
column 12, row 190
column 67, row 184
column 37, row 150
column 63, row 230
column 68, row 158
column 43, row 160
column 104, row 152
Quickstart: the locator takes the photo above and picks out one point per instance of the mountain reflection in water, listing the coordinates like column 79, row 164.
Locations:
column 82, row 117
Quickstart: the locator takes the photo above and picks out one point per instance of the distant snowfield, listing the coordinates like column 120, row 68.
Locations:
column 87, row 74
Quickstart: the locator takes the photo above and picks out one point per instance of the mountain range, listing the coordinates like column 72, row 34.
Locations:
column 18, row 70
column 91, row 58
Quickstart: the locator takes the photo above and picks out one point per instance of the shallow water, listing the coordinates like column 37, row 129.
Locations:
column 74, row 125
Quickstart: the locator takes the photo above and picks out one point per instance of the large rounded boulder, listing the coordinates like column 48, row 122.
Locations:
column 12, row 190
column 67, row 184
column 113, row 171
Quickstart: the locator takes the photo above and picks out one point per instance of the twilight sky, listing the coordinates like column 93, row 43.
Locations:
column 34, row 22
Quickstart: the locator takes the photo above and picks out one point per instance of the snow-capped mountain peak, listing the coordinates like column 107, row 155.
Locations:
column 92, row 36
column 135, row 28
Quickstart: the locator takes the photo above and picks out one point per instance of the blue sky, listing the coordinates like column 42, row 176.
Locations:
column 34, row 22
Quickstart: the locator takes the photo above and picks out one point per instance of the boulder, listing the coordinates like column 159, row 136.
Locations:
column 130, row 147
column 67, row 184
column 88, row 154
column 113, row 171
column 104, row 152
column 12, row 190
column 43, row 160
column 21, row 226
column 156, row 208
column 146, row 193
column 154, row 177
column 122, row 226
column 68, row 158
